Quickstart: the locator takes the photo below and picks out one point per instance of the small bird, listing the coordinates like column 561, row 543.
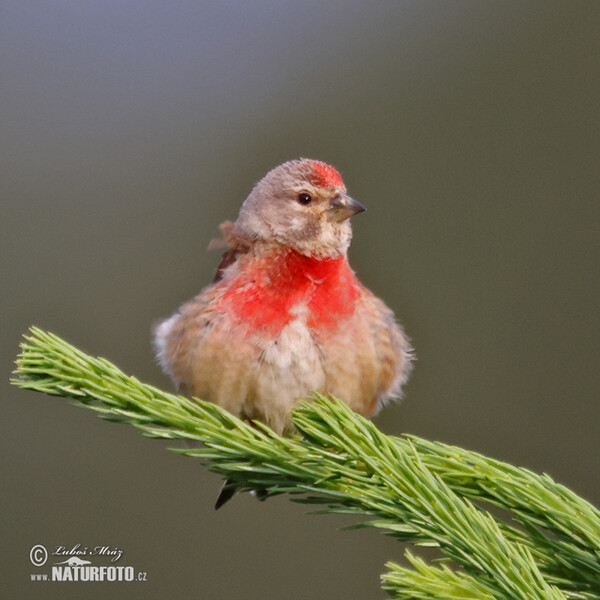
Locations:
column 285, row 314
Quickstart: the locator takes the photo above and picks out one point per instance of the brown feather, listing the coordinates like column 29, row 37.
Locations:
column 234, row 246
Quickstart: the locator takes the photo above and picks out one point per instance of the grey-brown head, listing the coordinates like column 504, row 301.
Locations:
column 301, row 204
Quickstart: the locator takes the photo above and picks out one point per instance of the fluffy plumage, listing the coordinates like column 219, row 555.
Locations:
column 286, row 315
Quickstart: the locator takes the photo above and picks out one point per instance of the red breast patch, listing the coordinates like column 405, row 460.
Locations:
column 271, row 290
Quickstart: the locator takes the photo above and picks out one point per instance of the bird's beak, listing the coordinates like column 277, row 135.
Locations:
column 343, row 207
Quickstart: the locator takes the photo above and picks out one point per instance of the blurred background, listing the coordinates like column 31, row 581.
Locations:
column 130, row 130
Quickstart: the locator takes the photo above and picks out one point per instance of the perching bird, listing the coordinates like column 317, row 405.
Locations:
column 285, row 314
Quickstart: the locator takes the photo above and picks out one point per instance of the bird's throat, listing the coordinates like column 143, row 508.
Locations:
column 275, row 289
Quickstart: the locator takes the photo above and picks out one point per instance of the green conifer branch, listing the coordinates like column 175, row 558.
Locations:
column 418, row 491
column 425, row 582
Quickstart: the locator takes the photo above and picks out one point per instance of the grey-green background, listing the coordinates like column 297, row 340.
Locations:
column 130, row 130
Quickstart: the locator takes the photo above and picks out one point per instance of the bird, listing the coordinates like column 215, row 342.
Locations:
column 285, row 315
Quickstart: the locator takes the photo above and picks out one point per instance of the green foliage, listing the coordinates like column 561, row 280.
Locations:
column 424, row 493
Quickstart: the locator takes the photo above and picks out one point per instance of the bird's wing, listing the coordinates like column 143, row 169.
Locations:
column 228, row 258
column 235, row 246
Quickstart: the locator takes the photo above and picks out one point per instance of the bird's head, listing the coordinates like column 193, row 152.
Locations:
column 301, row 204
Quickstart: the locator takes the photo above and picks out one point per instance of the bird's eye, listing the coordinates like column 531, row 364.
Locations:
column 304, row 199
